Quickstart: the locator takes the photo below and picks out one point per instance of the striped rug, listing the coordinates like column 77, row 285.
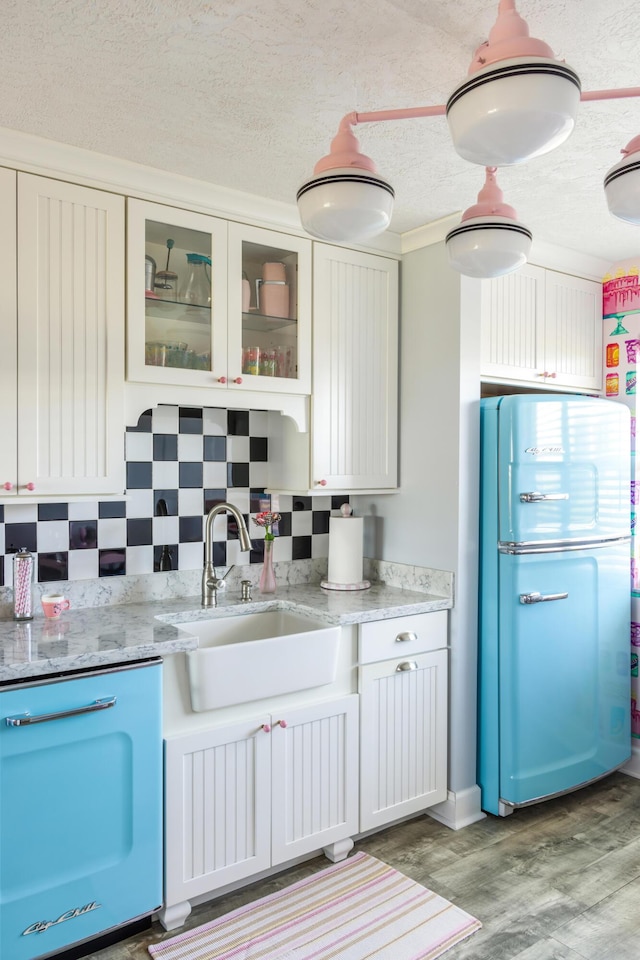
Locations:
column 359, row 909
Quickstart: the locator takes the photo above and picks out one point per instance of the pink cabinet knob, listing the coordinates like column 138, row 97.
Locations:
column 238, row 380
column 282, row 723
column 30, row 486
column 266, row 727
column 7, row 486
column 222, row 379
column 321, row 483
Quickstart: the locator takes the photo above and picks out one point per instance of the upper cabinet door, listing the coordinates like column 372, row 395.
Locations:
column 355, row 370
column 9, row 327
column 573, row 330
column 269, row 310
column 70, row 338
column 512, row 310
column 177, row 296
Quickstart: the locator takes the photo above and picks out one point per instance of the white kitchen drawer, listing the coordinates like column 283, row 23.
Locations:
column 402, row 636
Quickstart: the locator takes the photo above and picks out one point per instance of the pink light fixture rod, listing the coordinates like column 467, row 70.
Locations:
column 411, row 113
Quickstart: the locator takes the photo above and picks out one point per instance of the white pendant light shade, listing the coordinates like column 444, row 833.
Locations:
column 489, row 241
column 488, row 247
column 622, row 184
column 345, row 200
column 517, row 102
column 345, row 205
column 513, row 111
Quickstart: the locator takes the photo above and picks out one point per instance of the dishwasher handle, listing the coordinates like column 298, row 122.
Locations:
column 25, row 719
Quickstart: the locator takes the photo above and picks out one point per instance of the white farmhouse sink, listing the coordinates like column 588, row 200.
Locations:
column 258, row 655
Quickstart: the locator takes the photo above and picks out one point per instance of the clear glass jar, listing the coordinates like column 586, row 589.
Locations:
column 23, row 571
column 197, row 288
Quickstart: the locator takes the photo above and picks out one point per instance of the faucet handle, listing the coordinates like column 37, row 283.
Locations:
column 225, row 574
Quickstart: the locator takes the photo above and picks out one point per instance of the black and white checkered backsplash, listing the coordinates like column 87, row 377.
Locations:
column 180, row 462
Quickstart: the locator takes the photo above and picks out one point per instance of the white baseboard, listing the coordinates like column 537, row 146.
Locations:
column 459, row 809
column 632, row 767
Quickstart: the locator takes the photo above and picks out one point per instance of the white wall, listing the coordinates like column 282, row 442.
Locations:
column 433, row 520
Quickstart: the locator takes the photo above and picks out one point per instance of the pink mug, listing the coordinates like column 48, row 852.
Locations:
column 53, row 604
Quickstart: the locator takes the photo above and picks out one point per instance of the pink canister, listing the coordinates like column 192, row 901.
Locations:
column 274, row 271
column 273, row 297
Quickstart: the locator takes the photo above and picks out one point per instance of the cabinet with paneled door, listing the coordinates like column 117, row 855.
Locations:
column 352, row 441
column 544, row 328
column 403, row 716
column 243, row 797
column 62, row 358
column 216, row 305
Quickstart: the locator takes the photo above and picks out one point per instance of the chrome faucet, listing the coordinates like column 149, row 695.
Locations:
column 210, row 582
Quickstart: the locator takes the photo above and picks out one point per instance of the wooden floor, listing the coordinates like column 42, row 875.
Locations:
column 556, row 881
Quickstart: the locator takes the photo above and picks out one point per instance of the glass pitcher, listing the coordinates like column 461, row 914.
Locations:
column 197, row 289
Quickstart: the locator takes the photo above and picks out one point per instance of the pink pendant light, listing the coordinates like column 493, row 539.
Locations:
column 622, row 184
column 489, row 241
column 345, row 199
column 517, row 102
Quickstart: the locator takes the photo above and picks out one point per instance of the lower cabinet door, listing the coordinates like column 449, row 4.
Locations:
column 314, row 799
column 403, row 746
column 217, row 808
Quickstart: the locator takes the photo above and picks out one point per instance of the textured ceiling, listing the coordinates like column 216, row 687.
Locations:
column 249, row 93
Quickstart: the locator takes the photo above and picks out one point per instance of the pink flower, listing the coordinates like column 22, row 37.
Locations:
column 266, row 519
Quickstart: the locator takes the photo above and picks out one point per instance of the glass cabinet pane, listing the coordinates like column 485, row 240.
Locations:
column 270, row 343
column 178, row 291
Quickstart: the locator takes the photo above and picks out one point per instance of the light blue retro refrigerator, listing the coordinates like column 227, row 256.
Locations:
column 554, row 667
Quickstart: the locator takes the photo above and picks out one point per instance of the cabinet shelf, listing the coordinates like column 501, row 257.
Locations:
column 261, row 322
column 177, row 310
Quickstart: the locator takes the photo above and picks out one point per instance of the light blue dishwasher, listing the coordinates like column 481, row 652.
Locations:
column 80, row 807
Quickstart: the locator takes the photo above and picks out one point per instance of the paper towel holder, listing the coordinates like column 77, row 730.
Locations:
column 346, row 576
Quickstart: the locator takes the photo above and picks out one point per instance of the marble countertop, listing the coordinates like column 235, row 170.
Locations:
column 96, row 637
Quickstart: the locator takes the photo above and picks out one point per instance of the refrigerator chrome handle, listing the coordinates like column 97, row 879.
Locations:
column 407, row 665
column 24, row 719
column 535, row 497
column 541, row 598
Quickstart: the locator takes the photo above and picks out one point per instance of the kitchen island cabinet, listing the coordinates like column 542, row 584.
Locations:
column 542, row 328
column 62, row 360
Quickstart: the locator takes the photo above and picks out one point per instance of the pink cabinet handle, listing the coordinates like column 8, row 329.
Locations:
column 238, row 380
column 30, row 486
column 222, row 379
column 321, row 483
column 282, row 723
column 266, row 727
column 7, row 486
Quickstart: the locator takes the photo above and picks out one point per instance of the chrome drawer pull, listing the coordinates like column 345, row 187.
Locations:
column 24, row 719
column 537, row 497
column 540, row 598
column 407, row 665
column 409, row 635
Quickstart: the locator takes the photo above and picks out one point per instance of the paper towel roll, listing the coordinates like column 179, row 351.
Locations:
column 345, row 549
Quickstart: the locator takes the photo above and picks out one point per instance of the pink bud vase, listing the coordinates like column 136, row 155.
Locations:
column 268, row 577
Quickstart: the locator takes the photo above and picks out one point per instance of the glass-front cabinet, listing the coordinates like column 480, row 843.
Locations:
column 216, row 304
column 177, row 295
column 270, row 309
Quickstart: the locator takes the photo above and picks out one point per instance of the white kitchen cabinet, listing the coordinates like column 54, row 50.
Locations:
column 63, row 339
column 190, row 322
column 403, row 717
column 240, row 798
column 543, row 328
column 352, row 441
